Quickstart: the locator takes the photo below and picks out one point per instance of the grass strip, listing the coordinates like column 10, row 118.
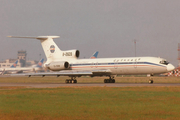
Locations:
column 90, row 103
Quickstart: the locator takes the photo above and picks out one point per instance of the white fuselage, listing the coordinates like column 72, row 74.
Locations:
column 123, row 66
column 60, row 60
column 20, row 69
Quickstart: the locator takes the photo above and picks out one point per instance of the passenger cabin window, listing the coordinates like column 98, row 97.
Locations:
column 164, row 62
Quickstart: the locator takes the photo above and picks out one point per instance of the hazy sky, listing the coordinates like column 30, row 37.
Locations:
column 107, row 26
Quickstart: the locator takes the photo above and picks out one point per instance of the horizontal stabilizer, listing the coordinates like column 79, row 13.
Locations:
column 38, row 37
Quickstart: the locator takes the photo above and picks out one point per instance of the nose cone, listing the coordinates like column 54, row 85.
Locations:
column 170, row 67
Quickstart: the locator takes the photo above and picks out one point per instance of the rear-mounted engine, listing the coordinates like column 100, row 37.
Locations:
column 57, row 66
column 71, row 54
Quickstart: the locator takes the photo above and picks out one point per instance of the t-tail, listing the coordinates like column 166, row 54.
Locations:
column 51, row 50
column 14, row 65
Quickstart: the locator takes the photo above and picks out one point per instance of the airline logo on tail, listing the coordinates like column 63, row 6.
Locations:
column 14, row 65
column 95, row 55
column 52, row 48
column 40, row 63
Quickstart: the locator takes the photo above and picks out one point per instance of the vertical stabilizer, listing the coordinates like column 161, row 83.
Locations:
column 50, row 48
column 40, row 63
column 14, row 65
column 94, row 55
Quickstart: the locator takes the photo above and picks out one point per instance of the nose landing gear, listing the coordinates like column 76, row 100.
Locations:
column 151, row 79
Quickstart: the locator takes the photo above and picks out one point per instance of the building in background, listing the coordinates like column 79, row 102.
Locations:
column 22, row 58
column 21, row 61
column 8, row 63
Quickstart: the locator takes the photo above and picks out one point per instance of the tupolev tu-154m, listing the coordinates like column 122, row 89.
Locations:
column 66, row 63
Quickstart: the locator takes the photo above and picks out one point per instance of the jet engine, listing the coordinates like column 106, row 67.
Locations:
column 71, row 54
column 57, row 66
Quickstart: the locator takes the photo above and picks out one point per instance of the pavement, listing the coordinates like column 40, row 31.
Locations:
column 55, row 85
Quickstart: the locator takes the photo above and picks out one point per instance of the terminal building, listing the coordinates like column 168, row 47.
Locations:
column 21, row 57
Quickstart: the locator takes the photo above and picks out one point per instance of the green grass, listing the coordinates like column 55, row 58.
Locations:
column 100, row 103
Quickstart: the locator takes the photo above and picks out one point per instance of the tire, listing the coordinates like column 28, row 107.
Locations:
column 67, row 81
column 150, row 81
column 105, row 81
column 113, row 80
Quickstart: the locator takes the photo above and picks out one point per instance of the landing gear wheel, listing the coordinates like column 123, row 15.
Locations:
column 113, row 81
column 105, row 80
column 71, row 81
column 151, row 81
column 74, row 81
column 67, row 81
column 109, row 80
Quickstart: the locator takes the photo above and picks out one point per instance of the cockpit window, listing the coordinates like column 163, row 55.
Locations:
column 164, row 62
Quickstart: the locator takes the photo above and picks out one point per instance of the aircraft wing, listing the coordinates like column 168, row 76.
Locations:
column 69, row 73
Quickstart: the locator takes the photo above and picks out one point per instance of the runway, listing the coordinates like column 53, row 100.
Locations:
column 55, row 85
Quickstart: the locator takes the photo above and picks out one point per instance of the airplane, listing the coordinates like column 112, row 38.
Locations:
column 39, row 66
column 66, row 63
column 14, row 65
column 94, row 55
column 13, row 69
column 6, row 70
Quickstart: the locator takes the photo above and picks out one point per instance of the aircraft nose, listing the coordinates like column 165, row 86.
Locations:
column 170, row 67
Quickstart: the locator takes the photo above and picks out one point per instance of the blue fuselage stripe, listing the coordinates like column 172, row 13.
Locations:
column 119, row 63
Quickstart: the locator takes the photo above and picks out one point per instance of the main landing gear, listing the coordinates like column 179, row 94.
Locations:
column 151, row 79
column 110, row 80
column 72, row 80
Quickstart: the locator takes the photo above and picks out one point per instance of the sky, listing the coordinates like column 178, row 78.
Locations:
column 107, row 26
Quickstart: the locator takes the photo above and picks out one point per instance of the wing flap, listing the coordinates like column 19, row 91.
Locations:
column 56, row 74
column 68, row 73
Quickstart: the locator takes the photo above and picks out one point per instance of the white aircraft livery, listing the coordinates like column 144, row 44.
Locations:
column 13, row 68
column 66, row 63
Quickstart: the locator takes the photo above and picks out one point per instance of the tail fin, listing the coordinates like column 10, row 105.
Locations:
column 94, row 55
column 40, row 63
column 14, row 65
column 50, row 48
